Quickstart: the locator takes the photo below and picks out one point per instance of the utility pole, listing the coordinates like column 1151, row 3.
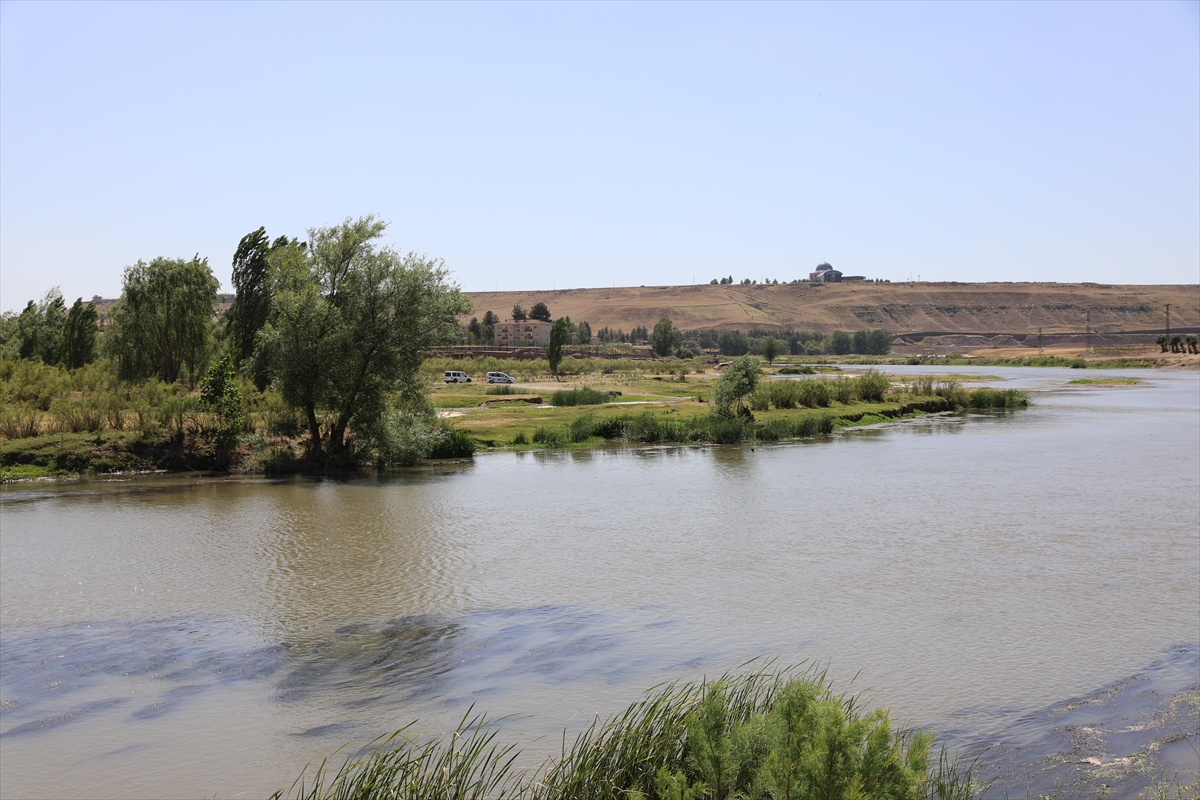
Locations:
column 1168, row 321
column 1088, row 333
column 1041, row 351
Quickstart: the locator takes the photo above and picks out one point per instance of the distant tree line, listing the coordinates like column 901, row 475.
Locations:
column 1178, row 344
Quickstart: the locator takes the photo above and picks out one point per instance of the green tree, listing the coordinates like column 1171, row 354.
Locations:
column 733, row 343
column 474, row 330
column 880, row 342
column 585, row 332
column 560, row 334
column 219, row 394
column 861, row 342
column 488, row 333
column 39, row 329
column 349, row 323
column 1161, row 341
column 840, row 343
column 540, row 312
column 519, row 314
column 666, row 337
column 737, row 382
column 163, row 322
column 770, row 348
column 79, row 335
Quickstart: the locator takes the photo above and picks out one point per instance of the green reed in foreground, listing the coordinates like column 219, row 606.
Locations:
column 774, row 733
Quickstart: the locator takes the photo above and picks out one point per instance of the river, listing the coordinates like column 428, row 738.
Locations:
column 185, row 636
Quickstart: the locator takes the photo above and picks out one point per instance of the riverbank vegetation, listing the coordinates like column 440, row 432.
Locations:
column 764, row 734
column 320, row 363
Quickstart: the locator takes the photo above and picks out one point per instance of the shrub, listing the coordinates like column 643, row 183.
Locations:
column 77, row 417
column 843, row 390
column 520, row 438
column 585, row 396
column 503, row 388
column 20, row 423
column 872, row 386
column 453, row 444
column 774, row 733
column 986, row 397
column 551, row 437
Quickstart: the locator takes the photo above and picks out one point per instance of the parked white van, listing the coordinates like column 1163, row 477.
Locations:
column 499, row 377
column 454, row 376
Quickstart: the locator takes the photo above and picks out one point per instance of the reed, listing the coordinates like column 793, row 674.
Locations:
column 583, row 396
column 779, row 733
column 502, row 389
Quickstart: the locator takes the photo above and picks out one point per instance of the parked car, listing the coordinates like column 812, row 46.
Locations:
column 499, row 377
column 454, row 376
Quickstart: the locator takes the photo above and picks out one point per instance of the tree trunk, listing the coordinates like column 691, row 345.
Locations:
column 314, row 431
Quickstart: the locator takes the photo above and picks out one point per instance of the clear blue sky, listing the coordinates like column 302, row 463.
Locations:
column 552, row 144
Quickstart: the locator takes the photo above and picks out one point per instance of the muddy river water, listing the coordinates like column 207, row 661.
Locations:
column 185, row 636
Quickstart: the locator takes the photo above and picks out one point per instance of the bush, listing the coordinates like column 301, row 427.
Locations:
column 520, row 438
column 20, row 423
column 843, row 390
column 873, row 386
column 551, row 437
column 986, row 397
column 579, row 397
column 453, row 444
column 503, row 388
column 777, row 733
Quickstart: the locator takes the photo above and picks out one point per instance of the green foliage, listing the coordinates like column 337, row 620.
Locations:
column 519, row 314
column 560, row 335
column 252, row 305
column 736, row 383
column 79, row 335
column 769, row 346
column 540, row 312
column 665, row 338
column 872, row 386
column 453, row 444
column 779, row 734
column 219, row 394
column 840, row 343
column 348, row 326
column 162, row 323
column 584, row 396
column 733, row 343
column 503, row 388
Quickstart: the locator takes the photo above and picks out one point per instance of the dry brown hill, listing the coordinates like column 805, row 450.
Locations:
column 916, row 311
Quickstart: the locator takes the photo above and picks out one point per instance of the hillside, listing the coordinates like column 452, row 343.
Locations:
column 1003, row 313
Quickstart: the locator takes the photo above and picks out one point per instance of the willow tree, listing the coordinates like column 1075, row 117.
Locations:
column 348, row 324
column 163, row 322
column 79, row 335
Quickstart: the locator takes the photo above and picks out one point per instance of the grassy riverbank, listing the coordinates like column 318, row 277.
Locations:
column 56, row 423
column 775, row 733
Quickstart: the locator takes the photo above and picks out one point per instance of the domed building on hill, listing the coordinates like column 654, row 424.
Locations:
column 825, row 274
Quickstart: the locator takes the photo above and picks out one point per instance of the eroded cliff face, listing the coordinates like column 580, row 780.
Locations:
column 920, row 309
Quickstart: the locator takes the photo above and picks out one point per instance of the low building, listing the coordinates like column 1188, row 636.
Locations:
column 525, row 333
column 825, row 274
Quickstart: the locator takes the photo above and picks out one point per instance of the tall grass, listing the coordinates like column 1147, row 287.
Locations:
column 778, row 733
column 650, row 428
column 503, row 388
column 584, row 396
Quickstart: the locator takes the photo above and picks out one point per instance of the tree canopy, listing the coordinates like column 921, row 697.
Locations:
column 163, row 322
column 348, row 325
column 737, row 382
column 666, row 337
column 539, row 311
column 560, row 335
